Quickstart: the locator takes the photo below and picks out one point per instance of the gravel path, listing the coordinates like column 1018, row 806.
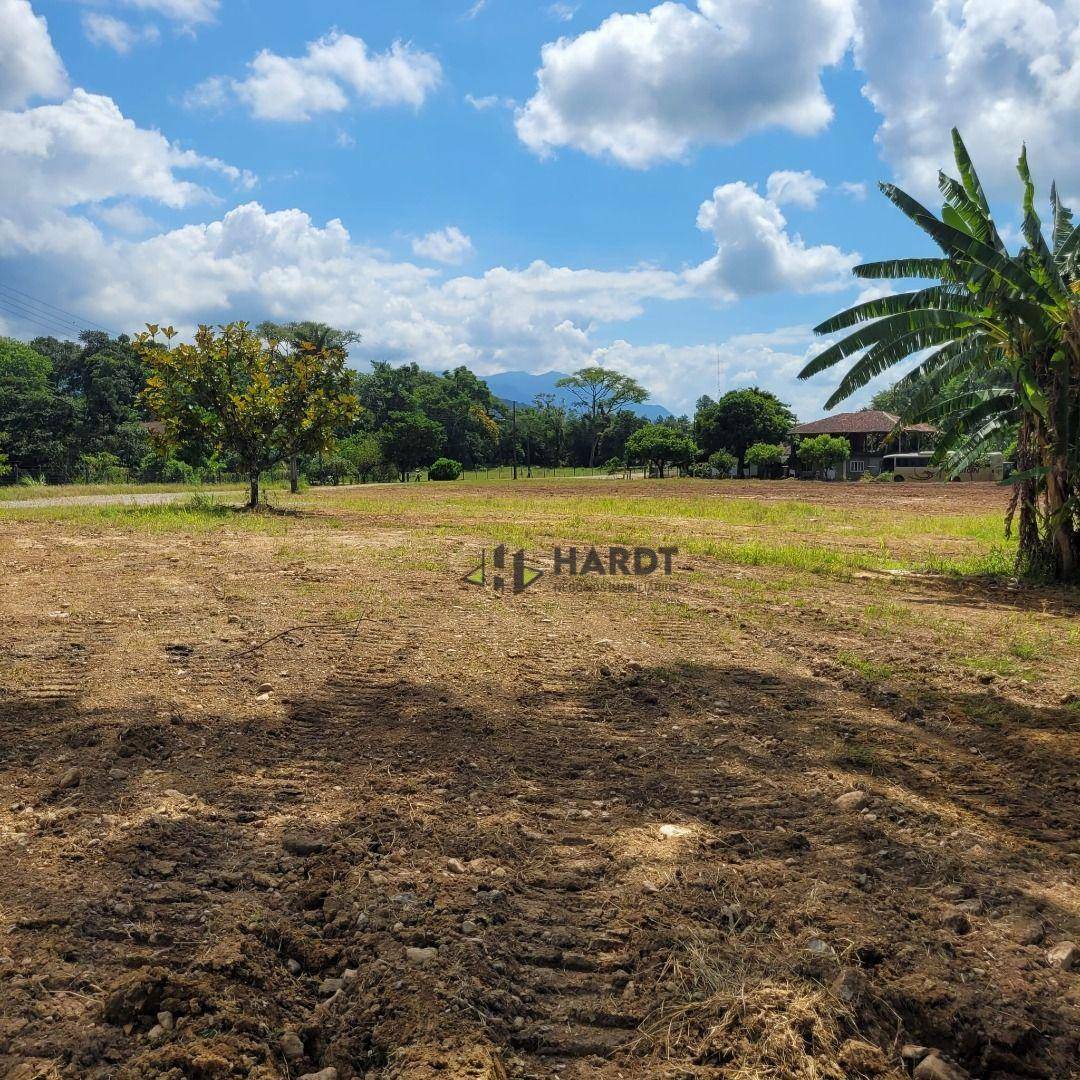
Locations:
column 148, row 498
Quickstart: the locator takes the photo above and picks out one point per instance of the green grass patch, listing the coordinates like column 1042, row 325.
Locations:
column 199, row 514
column 873, row 670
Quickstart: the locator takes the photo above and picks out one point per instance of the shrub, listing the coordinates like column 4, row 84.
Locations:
column 332, row 471
column 768, row 457
column 175, row 471
column 103, row 468
column 721, row 462
column 444, row 469
column 822, row 452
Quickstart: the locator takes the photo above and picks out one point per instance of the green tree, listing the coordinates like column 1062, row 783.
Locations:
column 600, row 393
column 35, row 419
column 314, row 370
column 102, row 378
column 741, row 418
column 219, row 392
column 410, row 440
column 236, row 393
column 822, row 452
column 768, row 457
column 553, row 420
column 990, row 311
column 723, row 461
column 660, row 445
column 363, row 452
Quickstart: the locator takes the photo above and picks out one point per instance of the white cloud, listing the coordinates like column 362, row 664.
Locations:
column 211, row 94
column 116, row 34
column 336, row 71
column 650, row 86
column 477, row 7
column 798, row 188
column 677, row 375
column 84, row 150
column 490, row 101
column 562, row 11
column 125, row 217
column 756, row 254
column 1002, row 71
column 449, row 245
column 29, row 65
column 252, row 263
column 187, row 13
column 854, row 189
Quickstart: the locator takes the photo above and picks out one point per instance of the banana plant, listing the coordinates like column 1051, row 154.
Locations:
column 989, row 313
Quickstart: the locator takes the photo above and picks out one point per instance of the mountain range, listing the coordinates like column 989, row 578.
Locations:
column 522, row 387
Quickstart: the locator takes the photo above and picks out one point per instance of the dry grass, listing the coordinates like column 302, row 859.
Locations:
column 722, row 1008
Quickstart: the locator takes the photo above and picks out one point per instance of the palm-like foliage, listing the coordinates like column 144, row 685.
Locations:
column 989, row 313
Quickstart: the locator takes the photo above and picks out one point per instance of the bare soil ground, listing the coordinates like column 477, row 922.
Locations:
column 289, row 798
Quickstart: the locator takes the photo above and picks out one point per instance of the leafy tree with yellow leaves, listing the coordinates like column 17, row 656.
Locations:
column 233, row 391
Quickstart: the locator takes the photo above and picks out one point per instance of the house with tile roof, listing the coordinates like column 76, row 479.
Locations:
column 872, row 433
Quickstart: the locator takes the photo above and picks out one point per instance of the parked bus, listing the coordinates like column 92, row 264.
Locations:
column 989, row 468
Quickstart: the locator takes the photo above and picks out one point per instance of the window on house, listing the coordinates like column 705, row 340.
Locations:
column 856, row 466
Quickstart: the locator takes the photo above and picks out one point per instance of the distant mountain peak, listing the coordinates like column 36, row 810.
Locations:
column 523, row 387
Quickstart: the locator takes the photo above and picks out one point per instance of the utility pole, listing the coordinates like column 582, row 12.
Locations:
column 513, row 436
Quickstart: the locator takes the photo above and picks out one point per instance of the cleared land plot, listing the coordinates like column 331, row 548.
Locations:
column 611, row 812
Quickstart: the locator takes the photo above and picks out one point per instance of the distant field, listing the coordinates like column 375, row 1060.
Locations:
column 832, row 529
column 258, row 765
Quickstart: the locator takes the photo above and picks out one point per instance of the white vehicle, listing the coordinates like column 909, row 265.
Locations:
column 989, row 468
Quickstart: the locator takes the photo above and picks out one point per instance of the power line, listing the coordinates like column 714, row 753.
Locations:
column 42, row 318
column 52, row 312
column 78, row 319
column 26, row 316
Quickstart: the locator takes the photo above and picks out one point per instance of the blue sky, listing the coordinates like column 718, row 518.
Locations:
column 518, row 185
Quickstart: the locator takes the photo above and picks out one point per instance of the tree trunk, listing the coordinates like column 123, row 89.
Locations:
column 253, row 497
column 294, row 474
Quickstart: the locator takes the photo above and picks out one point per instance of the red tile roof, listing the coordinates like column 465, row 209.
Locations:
column 864, row 422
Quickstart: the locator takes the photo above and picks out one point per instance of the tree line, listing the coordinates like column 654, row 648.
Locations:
column 239, row 401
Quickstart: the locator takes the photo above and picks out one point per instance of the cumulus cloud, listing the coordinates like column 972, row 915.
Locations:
column 1002, row 71
column 84, row 150
column 798, row 188
column 256, row 264
column 337, row 71
column 125, row 217
column 29, row 65
column 449, row 245
column 116, row 34
column 756, row 254
column 648, row 87
column 677, row 375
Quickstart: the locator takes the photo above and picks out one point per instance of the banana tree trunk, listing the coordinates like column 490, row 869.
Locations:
column 1062, row 534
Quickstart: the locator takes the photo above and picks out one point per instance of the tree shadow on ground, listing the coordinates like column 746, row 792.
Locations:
column 321, row 834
